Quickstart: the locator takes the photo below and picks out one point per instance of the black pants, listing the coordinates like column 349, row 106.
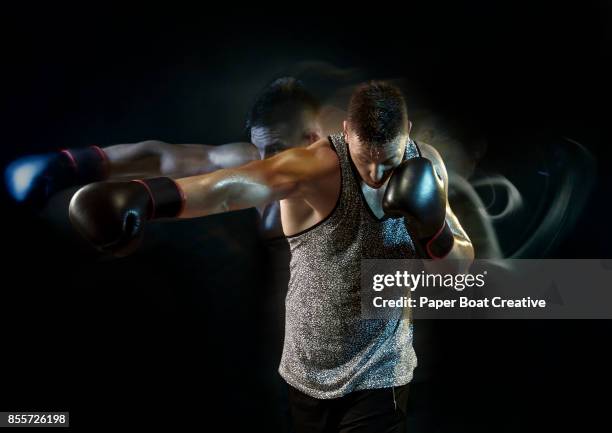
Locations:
column 374, row 410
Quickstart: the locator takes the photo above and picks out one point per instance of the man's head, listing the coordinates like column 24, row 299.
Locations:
column 284, row 115
column 376, row 130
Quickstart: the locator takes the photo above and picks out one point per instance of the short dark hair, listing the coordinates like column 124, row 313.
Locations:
column 377, row 112
column 281, row 101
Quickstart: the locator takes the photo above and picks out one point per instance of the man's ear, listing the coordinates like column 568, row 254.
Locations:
column 345, row 128
column 314, row 136
column 409, row 127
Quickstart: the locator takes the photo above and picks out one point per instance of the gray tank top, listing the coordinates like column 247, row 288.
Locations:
column 329, row 350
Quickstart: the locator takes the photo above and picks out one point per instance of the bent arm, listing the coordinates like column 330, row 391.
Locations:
column 462, row 252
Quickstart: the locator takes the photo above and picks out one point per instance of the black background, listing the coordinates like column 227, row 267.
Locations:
column 179, row 331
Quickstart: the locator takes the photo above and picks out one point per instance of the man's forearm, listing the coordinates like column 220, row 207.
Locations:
column 156, row 158
column 458, row 260
column 129, row 160
column 227, row 190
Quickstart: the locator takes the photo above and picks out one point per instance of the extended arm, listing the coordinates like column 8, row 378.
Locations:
column 34, row 179
column 112, row 215
column 286, row 175
column 157, row 158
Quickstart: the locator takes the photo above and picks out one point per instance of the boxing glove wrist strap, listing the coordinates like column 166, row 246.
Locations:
column 167, row 198
column 437, row 246
column 90, row 164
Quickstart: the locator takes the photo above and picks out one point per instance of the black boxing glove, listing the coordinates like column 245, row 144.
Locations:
column 34, row 179
column 112, row 215
column 416, row 192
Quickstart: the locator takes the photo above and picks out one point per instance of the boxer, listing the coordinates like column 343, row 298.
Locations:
column 367, row 192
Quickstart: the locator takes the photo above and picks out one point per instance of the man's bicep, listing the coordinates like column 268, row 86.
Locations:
column 430, row 152
column 292, row 173
column 454, row 224
column 282, row 174
column 251, row 185
column 434, row 156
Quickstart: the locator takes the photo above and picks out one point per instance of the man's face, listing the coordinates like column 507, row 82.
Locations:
column 375, row 163
column 299, row 132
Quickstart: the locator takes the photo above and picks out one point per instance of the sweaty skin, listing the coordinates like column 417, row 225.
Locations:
column 153, row 158
column 307, row 183
column 305, row 180
column 300, row 208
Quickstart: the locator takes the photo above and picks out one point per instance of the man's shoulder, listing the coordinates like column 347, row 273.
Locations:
column 430, row 152
column 323, row 151
column 311, row 162
column 322, row 143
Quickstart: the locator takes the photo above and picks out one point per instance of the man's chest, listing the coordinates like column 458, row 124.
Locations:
column 373, row 198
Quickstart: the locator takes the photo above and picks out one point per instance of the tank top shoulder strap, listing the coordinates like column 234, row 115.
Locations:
column 341, row 148
column 339, row 145
column 412, row 150
column 349, row 189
